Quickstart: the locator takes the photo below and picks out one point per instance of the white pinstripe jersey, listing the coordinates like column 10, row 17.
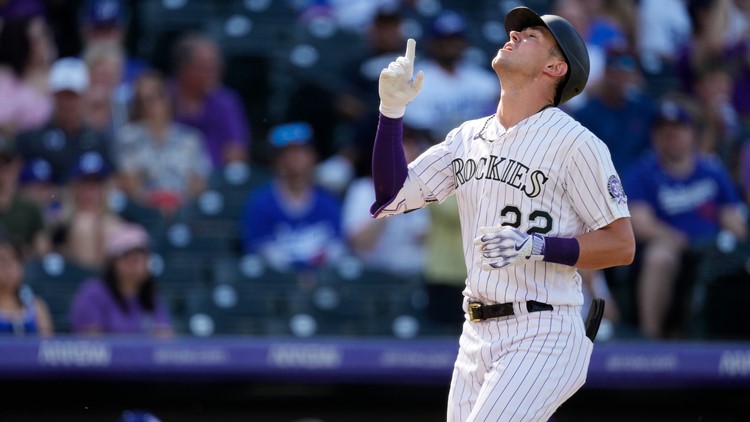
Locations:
column 547, row 174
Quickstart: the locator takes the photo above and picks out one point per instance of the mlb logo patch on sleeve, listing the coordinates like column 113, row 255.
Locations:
column 614, row 186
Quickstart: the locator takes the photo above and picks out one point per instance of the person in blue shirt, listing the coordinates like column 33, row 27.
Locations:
column 617, row 111
column 679, row 202
column 21, row 311
column 291, row 222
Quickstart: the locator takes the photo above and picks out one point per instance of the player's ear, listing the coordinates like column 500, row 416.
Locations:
column 556, row 68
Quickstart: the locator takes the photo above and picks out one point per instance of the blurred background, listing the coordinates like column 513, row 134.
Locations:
column 184, row 208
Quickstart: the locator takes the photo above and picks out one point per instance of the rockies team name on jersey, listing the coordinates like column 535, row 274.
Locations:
column 502, row 169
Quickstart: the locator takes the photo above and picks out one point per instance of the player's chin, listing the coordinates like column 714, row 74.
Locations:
column 502, row 55
column 497, row 63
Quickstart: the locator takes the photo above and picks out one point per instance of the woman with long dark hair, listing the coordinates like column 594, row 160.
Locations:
column 27, row 51
column 124, row 299
column 21, row 311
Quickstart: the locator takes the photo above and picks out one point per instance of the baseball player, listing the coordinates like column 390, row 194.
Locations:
column 538, row 196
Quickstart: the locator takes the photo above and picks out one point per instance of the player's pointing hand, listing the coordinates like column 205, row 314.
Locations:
column 397, row 85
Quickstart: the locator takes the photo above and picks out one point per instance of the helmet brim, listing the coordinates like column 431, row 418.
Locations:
column 521, row 18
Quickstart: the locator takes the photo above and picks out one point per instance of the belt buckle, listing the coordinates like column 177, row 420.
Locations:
column 474, row 314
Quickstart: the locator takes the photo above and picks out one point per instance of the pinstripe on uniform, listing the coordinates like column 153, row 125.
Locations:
column 547, row 174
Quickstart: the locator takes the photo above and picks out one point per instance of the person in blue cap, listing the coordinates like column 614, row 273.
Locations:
column 106, row 21
column 291, row 222
column 680, row 201
column 138, row 416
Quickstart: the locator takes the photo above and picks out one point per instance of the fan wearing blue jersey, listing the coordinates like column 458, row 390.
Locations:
column 679, row 201
column 290, row 221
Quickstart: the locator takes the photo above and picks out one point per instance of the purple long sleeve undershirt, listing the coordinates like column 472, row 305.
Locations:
column 389, row 167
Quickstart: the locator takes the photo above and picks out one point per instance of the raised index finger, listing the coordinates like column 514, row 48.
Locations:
column 411, row 46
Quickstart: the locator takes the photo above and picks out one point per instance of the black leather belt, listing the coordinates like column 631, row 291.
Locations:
column 480, row 312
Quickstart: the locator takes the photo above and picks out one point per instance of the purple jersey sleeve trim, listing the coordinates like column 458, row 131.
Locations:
column 561, row 250
column 389, row 167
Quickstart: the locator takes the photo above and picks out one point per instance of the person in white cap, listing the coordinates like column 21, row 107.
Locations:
column 66, row 136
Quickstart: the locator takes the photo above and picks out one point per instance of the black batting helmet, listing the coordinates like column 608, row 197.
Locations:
column 570, row 42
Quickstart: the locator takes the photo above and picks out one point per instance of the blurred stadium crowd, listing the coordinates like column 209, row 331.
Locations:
column 190, row 167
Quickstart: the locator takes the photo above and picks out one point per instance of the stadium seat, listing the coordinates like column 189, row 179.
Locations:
column 374, row 303
column 180, row 267
column 150, row 218
column 161, row 22
column 251, row 27
column 316, row 51
column 250, row 268
column 235, row 181
column 721, row 289
column 238, row 309
column 56, row 280
column 205, row 226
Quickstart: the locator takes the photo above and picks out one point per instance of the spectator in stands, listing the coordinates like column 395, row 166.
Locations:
column 679, row 202
column 718, row 37
column 617, row 111
column 107, row 96
column 459, row 90
column 18, row 215
column 202, row 102
column 388, row 245
column 124, row 300
column 291, row 222
column 663, row 27
column 721, row 128
column 602, row 25
column 66, row 136
column 358, row 101
column 21, row 311
column 163, row 164
column 613, row 22
column 36, row 185
column 138, row 415
column 384, row 37
column 445, row 268
column 576, row 12
column 86, row 215
column 26, row 55
column 105, row 22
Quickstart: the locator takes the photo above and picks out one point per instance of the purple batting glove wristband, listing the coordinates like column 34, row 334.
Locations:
column 389, row 167
column 561, row 250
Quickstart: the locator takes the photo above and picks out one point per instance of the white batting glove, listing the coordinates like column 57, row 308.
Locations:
column 397, row 86
column 503, row 246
